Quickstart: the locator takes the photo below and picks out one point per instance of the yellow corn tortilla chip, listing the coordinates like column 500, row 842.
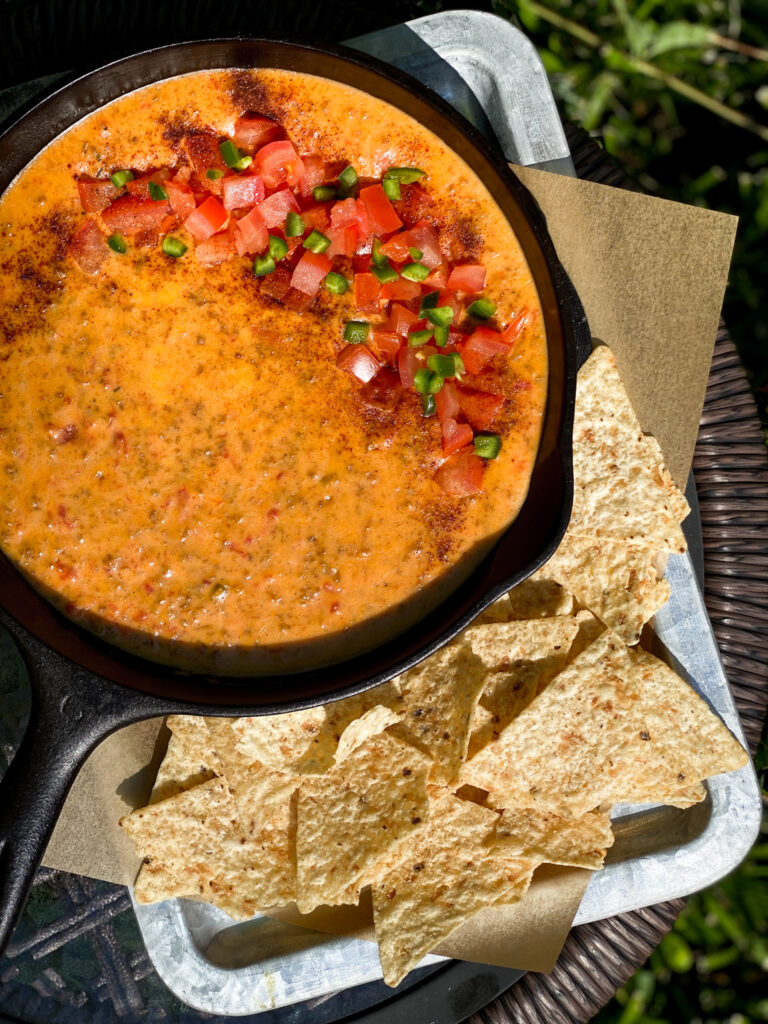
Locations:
column 448, row 873
column 371, row 723
column 531, row 599
column 615, row 580
column 439, row 697
column 351, row 817
column 189, row 759
column 551, row 839
column 611, row 727
column 685, row 798
column 501, row 645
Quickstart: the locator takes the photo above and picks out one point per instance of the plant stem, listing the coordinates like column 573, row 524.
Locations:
column 738, row 47
column 643, row 67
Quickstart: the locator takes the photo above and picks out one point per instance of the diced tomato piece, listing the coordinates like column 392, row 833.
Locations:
column 461, row 474
column 251, row 235
column 129, row 214
column 438, row 278
column 364, row 225
column 383, row 392
column 396, row 248
column 277, row 284
column 140, row 186
column 401, row 319
column 468, row 278
column 367, row 289
column 216, row 250
column 207, row 219
column 315, row 173
column 400, row 290
column 344, row 214
column 310, row 271
column 359, row 361
column 512, row 333
column 147, row 238
column 180, row 198
column 278, row 162
column 96, row 195
column 446, row 298
column 415, row 204
column 424, row 237
column 297, row 301
column 447, row 402
column 455, row 435
column 407, row 364
column 386, row 343
column 382, row 217
column 480, row 409
column 88, row 248
column 316, row 218
column 183, row 174
column 485, row 339
column 275, row 208
column 203, row 153
column 254, row 130
column 343, row 241
column 242, row 190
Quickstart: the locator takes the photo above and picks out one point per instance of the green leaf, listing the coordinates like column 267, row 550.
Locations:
column 602, row 93
column 678, row 35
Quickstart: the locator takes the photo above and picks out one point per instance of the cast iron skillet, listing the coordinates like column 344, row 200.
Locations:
column 84, row 689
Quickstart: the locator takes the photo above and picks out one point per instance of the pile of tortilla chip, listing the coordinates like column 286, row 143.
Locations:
column 446, row 788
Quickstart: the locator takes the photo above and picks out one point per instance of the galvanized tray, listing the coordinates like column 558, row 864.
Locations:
column 491, row 73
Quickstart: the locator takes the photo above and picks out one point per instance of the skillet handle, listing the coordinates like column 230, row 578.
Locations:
column 72, row 711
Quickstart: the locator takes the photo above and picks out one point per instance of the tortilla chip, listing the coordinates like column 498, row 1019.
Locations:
column 531, row 599
column 685, row 798
column 446, row 875
column 615, row 580
column 351, row 817
column 551, row 839
column 613, row 727
column 190, row 758
column 501, row 645
column 362, row 729
column 438, row 700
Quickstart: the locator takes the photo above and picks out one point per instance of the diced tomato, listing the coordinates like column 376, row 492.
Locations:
column 468, row 278
column 297, row 301
column 242, row 190
column 382, row 217
column 480, row 347
column 88, row 248
column 183, row 174
column 216, row 250
column 512, row 333
column 96, row 195
column 447, row 402
column 310, row 271
column 415, row 204
column 424, row 237
column 407, row 364
column 147, row 238
column 455, row 435
column 400, row 290
column 254, row 130
column 278, row 162
column 275, row 208
column 140, row 186
column 277, row 284
column 316, row 218
column 251, row 235
column 438, row 278
column 446, row 298
column 461, row 474
column 480, row 409
column 180, row 198
column 364, row 226
column 359, row 361
column 207, row 219
column 344, row 214
column 386, row 343
column 367, row 289
column 383, row 392
column 343, row 241
column 401, row 319
column 315, row 173
column 202, row 150
column 396, row 248
column 129, row 214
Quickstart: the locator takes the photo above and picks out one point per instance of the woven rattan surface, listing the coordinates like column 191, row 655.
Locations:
column 731, row 470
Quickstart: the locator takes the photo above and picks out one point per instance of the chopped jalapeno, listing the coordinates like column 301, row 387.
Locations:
column 243, row 162
column 336, row 283
column 441, row 335
column 323, row 193
column 316, row 242
column 418, row 338
column 385, row 274
column 440, row 316
column 405, row 175
column 487, row 446
column 214, row 173
column 356, row 331
column 421, row 379
column 428, row 405
column 119, row 178
column 482, row 309
column 263, row 265
column 173, row 247
column 348, row 177
column 117, row 244
column 157, row 192
column 278, row 247
column 377, row 257
column 449, row 365
column 294, row 225
column 416, row 254
column 415, row 272
column 435, row 383
column 230, row 154
column 429, row 301
column 391, row 188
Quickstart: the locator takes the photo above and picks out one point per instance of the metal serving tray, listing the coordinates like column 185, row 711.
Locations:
column 491, row 73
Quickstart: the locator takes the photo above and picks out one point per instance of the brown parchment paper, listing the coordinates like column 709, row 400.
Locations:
column 651, row 275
